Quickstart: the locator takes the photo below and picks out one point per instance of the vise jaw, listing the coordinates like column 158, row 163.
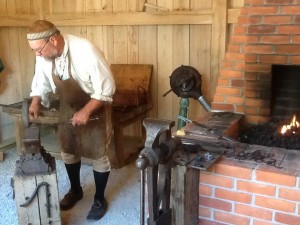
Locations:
column 159, row 144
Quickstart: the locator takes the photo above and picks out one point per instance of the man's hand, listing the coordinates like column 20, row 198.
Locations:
column 82, row 117
column 34, row 108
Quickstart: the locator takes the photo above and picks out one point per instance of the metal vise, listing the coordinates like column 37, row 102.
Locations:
column 156, row 160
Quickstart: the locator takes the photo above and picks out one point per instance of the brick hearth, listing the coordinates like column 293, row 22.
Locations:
column 267, row 33
column 245, row 191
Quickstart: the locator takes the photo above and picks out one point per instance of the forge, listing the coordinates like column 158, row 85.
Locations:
column 256, row 179
column 270, row 134
column 283, row 128
column 250, row 182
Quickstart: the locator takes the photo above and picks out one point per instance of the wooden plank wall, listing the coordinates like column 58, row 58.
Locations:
column 165, row 33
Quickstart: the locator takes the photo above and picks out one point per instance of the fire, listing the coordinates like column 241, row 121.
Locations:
column 292, row 126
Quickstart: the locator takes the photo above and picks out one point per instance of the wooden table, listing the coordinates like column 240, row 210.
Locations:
column 120, row 119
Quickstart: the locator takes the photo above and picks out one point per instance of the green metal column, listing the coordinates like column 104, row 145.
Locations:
column 184, row 105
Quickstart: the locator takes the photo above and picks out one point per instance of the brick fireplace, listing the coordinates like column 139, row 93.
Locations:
column 245, row 192
column 267, row 33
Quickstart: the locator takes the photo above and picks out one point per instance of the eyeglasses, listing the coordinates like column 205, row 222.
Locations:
column 40, row 51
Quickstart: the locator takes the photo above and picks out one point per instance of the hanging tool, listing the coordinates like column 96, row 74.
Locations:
column 215, row 132
column 35, row 193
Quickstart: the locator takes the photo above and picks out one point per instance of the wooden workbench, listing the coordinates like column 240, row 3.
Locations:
column 120, row 119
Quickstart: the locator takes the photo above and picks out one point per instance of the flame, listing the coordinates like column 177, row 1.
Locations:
column 293, row 125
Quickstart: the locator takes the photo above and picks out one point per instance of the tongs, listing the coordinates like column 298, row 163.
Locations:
column 215, row 132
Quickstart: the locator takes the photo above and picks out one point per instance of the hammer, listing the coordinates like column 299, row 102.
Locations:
column 27, row 122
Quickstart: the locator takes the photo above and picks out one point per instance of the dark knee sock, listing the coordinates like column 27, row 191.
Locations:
column 73, row 171
column 100, row 183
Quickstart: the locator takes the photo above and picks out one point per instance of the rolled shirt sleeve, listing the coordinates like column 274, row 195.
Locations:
column 42, row 84
column 102, row 82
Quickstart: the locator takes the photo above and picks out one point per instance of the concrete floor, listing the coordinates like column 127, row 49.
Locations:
column 122, row 194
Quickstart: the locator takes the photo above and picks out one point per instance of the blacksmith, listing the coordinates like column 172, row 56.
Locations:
column 74, row 69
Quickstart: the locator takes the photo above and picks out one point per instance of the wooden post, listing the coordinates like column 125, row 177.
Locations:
column 35, row 182
column 185, row 195
column 37, row 211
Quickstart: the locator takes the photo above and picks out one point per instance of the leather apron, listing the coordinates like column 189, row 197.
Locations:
column 90, row 140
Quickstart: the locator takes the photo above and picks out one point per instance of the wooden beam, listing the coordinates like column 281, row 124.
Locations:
column 137, row 18
column 218, row 40
column 17, row 20
column 125, row 18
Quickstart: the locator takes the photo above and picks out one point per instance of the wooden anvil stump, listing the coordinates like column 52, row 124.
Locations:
column 35, row 183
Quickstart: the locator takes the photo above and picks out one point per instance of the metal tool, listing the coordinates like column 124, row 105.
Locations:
column 209, row 129
column 35, row 192
column 185, row 82
column 70, row 121
column 156, row 160
column 27, row 121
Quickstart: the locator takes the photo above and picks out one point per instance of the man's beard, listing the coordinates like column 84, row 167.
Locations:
column 54, row 54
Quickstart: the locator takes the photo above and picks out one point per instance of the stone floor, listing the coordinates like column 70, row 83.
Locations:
column 122, row 194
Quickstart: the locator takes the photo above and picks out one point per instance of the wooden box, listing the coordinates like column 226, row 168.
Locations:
column 132, row 84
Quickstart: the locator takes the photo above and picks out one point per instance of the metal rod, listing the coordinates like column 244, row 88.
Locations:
column 165, row 94
column 142, row 198
column 202, row 100
column 211, row 130
column 70, row 121
column 29, row 200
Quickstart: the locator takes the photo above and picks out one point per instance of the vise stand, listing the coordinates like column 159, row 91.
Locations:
column 155, row 163
column 162, row 155
column 35, row 181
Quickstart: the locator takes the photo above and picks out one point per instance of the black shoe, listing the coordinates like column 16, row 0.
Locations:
column 70, row 199
column 98, row 210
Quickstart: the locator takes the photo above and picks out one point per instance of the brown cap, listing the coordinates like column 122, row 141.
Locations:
column 41, row 29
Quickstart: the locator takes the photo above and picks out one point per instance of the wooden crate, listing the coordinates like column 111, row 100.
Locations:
column 133, row 83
